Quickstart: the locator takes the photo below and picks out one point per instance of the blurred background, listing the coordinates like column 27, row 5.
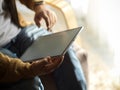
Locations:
column 100, row 38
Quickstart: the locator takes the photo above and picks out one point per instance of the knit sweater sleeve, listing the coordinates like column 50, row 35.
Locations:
column 13, row 69
column 30, row 3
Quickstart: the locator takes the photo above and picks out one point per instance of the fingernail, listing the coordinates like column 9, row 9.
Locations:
column 49, row 29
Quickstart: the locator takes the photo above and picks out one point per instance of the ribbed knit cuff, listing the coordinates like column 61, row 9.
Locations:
column 38, row 1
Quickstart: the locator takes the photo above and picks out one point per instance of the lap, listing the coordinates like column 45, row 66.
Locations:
column 25, row 38
column 71, row 65
column 28, row 84
column 70, row 74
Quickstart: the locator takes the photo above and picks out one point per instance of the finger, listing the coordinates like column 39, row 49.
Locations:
column 37, row 20
column 45, row 16
column 61, row 58
column 52, row 20
column 38, row 23
column 47, row 20
column 49, row 59
column 55, row 59
column 50, row 30
column 48, row 68
column 54, row 65
column 38, row 66
column 41, row 63
column 51, row 17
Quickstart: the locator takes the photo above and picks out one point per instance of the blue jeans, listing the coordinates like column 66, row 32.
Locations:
column 69, row 76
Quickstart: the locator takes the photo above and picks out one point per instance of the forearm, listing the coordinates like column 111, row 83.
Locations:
column 13, row 69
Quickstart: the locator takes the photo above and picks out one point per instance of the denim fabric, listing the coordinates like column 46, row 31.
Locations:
column 69, row 76
column 24, row 39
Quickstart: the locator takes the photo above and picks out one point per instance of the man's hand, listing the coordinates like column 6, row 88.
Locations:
column 41, row 12
column 46, row 65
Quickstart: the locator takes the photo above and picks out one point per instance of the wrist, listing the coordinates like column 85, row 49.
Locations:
column 38, row 4
column 39, row 8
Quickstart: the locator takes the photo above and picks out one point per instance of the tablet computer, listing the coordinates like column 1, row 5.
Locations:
column 52, row 45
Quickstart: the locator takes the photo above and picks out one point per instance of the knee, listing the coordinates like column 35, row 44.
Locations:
column 80, row 53
column 83, row 58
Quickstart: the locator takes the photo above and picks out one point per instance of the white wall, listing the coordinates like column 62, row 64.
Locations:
column 104, row 17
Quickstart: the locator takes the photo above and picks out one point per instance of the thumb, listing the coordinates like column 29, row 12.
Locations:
column 41, row 62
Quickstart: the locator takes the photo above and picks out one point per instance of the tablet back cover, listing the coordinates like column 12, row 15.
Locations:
column 50, row 45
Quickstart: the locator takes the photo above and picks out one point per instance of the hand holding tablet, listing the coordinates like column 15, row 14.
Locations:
column 51, row 45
